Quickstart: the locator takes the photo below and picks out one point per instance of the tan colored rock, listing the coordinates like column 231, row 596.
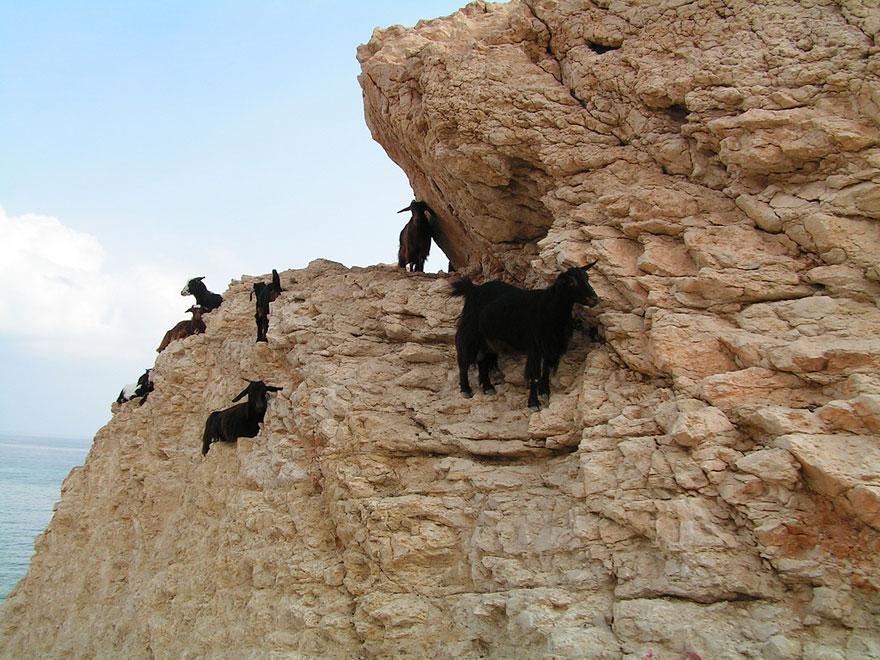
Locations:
column 845, row 468
column 771, row 141
column 759, row 386
column 779, row 420
column 689, row 345
column 665, row 256
column 844, row 281
column 690, row 422
column 861, row 414
column 771, row 465
column 763, row 214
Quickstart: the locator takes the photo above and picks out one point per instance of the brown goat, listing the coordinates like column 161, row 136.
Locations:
column 184, row 329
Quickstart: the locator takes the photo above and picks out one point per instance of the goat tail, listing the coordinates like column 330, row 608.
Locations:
column 208, row 436
column 462, row 287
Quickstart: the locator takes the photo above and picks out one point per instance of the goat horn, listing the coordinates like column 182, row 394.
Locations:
column 242, row 393
column 408, row 208
column 590, row 265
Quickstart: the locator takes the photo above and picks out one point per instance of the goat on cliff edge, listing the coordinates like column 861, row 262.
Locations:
column 207, row 300
column 240, row 421
column 415, row 237
column 184, row 329
column 265, row 294
column 536, row 322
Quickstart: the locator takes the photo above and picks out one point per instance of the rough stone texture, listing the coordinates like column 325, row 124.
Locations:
column 706, row 480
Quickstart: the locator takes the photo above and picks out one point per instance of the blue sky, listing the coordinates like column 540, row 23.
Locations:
column 145, row 143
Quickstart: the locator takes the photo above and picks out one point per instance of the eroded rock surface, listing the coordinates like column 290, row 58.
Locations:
column 720, row 159
column 705, row 480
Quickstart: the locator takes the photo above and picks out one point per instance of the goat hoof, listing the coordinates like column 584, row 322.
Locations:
column 467, row 394
column 489, row 390
column 534, row 407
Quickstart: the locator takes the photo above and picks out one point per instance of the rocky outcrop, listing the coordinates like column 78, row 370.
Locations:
column 720, row 159
column 705, row 480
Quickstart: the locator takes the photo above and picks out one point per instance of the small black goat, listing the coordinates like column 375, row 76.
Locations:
column 240, row 421
column 535, row 322
column 204, row 298
column 141, row 389
column 184, row 329
column 265, row 294
column 415, row 237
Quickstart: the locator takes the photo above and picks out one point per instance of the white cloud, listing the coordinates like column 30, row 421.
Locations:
column 58, row 296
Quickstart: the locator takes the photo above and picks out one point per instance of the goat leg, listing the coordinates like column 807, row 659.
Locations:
column 465, row 353
column 533, row 375
column 262, row 327
column 463, row 383
column 533, row 396
column 544, row 383
column 484, row 364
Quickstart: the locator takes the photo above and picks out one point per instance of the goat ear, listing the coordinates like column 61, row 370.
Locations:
column 242, row 393
column 273, row 388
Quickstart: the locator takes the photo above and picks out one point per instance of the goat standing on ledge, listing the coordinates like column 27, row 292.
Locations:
column 207, row 300
column 535, row 322
column 415, row 237
column 194, row 326
column 240, row 421
column 265, row 294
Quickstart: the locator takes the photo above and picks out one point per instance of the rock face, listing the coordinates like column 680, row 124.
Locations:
column 705, row 480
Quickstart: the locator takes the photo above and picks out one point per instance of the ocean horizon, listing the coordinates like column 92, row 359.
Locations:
column 32, row 469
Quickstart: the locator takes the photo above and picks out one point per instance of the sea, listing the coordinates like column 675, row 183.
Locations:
column 31, row 472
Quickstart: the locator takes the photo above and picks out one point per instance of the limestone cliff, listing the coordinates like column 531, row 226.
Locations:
column 705, row 480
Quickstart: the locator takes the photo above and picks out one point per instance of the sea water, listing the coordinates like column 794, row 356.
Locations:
column 31, row 472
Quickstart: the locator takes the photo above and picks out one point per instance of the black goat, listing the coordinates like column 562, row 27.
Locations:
column 265, row 294
column 184, row 329
column 141, row 389
column 535, row 322
column 240, row 421
column 415, row 237
column 204, row 298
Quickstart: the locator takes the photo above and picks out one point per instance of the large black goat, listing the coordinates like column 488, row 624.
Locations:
column 265, row 293
column 207, row 300
column 536, row 322
column 239, row 421
column 141, row 389
column 415, row 237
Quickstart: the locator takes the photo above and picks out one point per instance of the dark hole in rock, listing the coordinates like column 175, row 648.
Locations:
column 677, row 113
column 600, row 48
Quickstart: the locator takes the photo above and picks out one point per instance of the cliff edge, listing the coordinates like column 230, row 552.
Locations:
column 706, row 479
